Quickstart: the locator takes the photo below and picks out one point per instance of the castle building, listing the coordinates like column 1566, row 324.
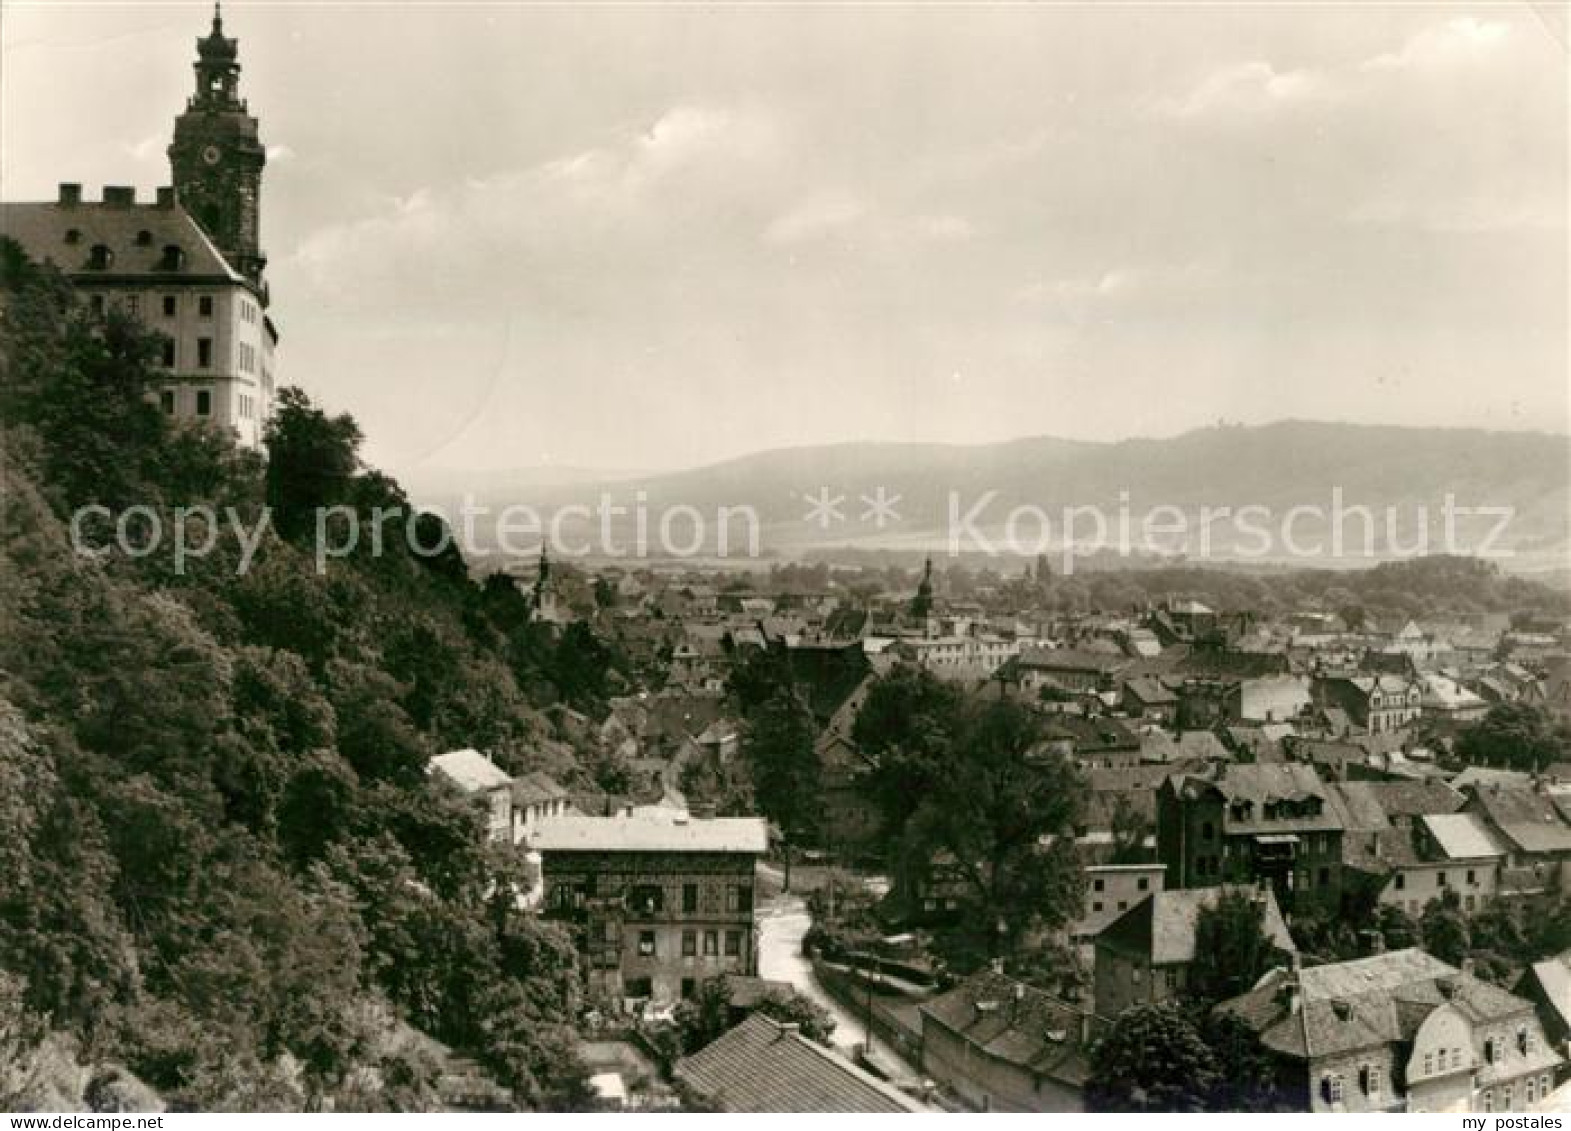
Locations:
column 188, row 263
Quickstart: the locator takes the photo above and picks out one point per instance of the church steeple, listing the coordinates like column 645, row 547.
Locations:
column 217, row 156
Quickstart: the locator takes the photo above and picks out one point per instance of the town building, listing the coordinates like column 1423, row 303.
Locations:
column 659, row 900
column 1111, row 890
column 1001, row 1045
column 1243, row 823
column 764, row 1065
column 1399, row 1031
column 474, row 775
column 1144, row 956
column 188, row 263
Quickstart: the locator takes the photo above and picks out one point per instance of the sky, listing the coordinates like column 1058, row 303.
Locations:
column 652, row 236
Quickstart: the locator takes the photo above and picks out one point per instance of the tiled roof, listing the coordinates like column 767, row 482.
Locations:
column 535, row 787
column 1150, row 690
column 1072, row 660
column 761, row 1066
column 1015, row 1023
column 1161, row 928
column 651, row 831
column 1367, row 1002
column 41, row 229
column 1529, row 819
column 1412, row 798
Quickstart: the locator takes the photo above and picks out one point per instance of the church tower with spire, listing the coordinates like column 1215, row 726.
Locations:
column 216, row 157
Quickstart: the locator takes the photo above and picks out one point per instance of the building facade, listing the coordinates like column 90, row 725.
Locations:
column 659, row 901
column 188, row 264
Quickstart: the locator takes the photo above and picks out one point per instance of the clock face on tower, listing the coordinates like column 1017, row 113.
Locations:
column 211, row 155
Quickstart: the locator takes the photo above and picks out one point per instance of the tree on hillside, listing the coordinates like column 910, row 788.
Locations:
column 1232, row 949
column 1153, row 1059
column 311, row 461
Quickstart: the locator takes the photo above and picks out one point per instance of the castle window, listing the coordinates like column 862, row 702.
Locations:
column 73, row 235
column 166, row 401
column 689, row 899
column 174, row 258
column 100, row 257
column 144, row 238
column 95, row 303
column 204, row 353
column 711, row 943
column 171, row 305
column 733, row 944
column 1333, row 1088
column 133, row 305
column 1374, row 1080
column 646, row 943
column 204, row 306
column 1489, row 1051
column 689, row 944
column 169, row 353
column 204, row 402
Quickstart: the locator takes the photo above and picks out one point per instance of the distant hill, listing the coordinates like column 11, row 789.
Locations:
column 1406, row 471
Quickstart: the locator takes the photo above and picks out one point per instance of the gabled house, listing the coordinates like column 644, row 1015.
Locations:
column 475, row 775
column 1244, row 824
column 1144, row 955
column 763, row 1065
column 1399, row 1031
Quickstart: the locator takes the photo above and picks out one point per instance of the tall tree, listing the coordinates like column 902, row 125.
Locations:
column 311, row 461
column 1153, row 1059
column 1232, row 949
column 779, row 744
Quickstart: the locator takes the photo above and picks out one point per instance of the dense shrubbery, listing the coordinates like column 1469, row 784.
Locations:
column 223, row 864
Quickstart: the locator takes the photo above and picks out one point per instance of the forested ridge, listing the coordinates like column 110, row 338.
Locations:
column 224, row 867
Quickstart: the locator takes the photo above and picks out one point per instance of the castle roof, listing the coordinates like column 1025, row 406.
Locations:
column 136, row 236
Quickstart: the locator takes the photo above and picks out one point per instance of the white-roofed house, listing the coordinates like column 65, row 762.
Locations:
column 662, row 900
column 475, row 775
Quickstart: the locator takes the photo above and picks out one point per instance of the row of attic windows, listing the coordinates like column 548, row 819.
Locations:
column 101, row 257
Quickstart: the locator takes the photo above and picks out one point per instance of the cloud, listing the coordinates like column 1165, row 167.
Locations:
column 1470, row 214
column 1456, row 41
column 821, row 215
column 1255, row 85
column 148, row 149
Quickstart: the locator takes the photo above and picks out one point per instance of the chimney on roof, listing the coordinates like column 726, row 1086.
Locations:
column 70, row 193
column 786, row 1029
column 119, row 196
column 166, row 196
column 1289, row 994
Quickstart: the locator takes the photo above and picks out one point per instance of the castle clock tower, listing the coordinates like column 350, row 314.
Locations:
column 216, row 157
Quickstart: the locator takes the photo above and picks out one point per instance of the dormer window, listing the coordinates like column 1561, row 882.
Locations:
column 144, row 238
column 73, row 235
column 100, row 257
column 173, row 259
